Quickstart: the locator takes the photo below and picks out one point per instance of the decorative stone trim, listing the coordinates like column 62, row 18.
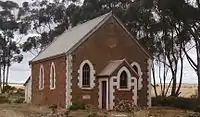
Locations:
column 41, row 77
column 149, row 83
column 92, row 73
column 100, row 93
column 52, row 69
column 129, row 79
column 134, row 90
column 68, row 80
column 140, row 80
column 114, row 81
column 112, row 91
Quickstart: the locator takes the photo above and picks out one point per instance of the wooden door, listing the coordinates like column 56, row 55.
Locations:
column 104, row 94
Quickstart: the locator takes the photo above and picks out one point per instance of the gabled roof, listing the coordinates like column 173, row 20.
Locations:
column 72, row 38
column 112, row 67
column 29, row 78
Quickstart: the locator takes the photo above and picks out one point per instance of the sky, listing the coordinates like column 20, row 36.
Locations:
column 19, row 72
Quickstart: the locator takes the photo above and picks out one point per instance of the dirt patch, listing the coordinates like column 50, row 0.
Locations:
column 20, row 110
column 23, row 110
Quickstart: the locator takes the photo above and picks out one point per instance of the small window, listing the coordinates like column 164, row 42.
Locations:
column 135, row 68
column 123, row 80
column 86, row 76
column 41, row 78
column 52, row 77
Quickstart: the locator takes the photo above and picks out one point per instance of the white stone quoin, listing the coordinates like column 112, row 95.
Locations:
column 28, row 92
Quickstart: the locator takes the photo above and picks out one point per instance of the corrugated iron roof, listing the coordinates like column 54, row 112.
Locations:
column 110, row 68
column 67, row 40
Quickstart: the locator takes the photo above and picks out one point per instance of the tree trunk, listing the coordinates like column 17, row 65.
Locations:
column 159, row 72
column 164, row 76
column 154, row 80
column 198, row 68
column 0, row 81
column 7, row 74
column 4, row 73
column 181, row 73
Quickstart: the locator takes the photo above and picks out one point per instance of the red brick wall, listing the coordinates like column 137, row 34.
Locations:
column 110, row 42
column 122, row 95
column 48, row 96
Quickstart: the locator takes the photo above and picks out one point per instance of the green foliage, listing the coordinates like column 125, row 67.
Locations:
column 53, row 108
column 3, row 99
column 67, row 112
column 178, row 102
column 126, row 106
column 93, row 115
column 8, row 89
column 19, row 100
column 77, row 106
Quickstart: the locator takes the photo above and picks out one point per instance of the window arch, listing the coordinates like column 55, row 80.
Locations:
column 52, row 76
column 137, row 68
column 123, row 80
column 41, row 77
column 86, row 75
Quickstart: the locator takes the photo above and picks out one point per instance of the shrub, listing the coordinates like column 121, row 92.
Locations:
column 8, row 89
column 126, row 106
column 178, row 102
column 53, row 108
column 4, row 99
column 77, row 106
column 67, row 112
column 19, row 100
column 93, row 115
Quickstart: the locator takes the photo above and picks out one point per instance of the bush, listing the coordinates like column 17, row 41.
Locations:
column 178, row 102
column 53, row 108
column 77, row 106
column 8, row 89
column 93, row 115
column 126, row 106
column 4, row 99
column 19, row 100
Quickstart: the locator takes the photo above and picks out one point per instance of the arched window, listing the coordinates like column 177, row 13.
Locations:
column 52, row 77
column 41, row 77
column 86, row 75
column 123, row 80
column 135, row 68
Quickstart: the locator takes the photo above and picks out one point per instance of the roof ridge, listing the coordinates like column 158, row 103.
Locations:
column 104, row 16
column 136, row 41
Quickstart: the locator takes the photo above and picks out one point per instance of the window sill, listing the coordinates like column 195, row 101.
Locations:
column 52, row 88
column 124, row 89
column 86, row 88
column 41, row 89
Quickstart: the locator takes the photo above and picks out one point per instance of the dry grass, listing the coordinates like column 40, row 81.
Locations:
column 20, row 110
column 187, row 90
column 23, row 110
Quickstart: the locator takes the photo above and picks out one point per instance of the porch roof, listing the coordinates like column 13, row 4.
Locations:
column 113, row 65
column 110, row 68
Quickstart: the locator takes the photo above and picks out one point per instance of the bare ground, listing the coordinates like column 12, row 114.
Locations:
column 23, row 110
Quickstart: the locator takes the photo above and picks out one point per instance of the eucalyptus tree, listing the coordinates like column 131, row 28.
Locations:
column 47, row 19
column 10, row 51
column 153, row 22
